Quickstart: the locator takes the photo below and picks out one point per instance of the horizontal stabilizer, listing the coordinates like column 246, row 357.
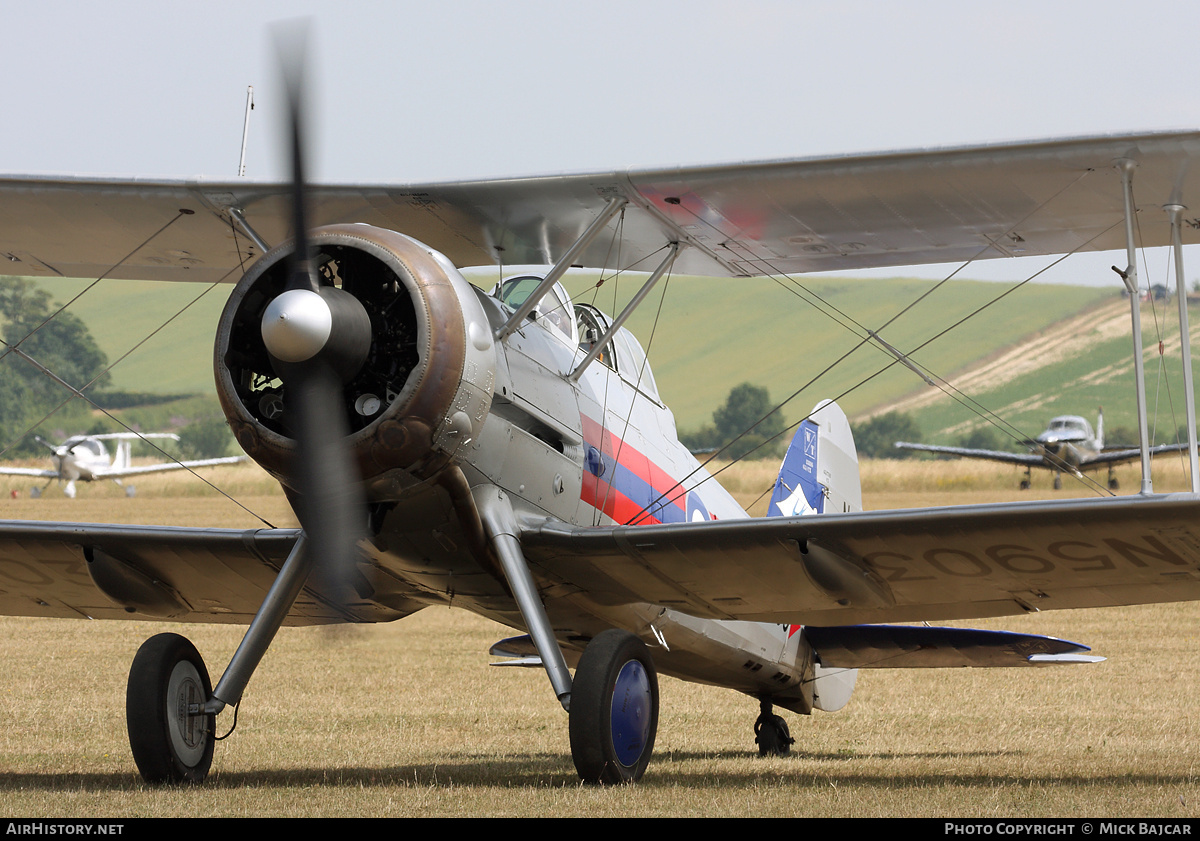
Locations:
column 920, row 647
column 514, row 647
column 524, row 653
column 1036, row 659
column 524, row 662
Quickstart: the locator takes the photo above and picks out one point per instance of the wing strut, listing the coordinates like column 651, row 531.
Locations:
column 560, row 268
column 1185, row 342
column 501, row 524
column 597, row 349
column 238, row 216
column 1127, row 167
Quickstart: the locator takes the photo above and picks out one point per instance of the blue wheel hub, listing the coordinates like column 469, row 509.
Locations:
column 630, row 715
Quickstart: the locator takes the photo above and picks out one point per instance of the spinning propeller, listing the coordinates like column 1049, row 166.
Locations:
column 318, row 337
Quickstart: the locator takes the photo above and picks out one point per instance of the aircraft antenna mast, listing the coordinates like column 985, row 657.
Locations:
column 246, row 130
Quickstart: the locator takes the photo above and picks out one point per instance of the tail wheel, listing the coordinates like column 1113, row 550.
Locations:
column 168, row 744
column 614, row 709
column 772, row 736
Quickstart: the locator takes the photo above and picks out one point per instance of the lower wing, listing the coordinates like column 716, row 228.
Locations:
column 118, row 473
column 956, row 562
column 1027, row 459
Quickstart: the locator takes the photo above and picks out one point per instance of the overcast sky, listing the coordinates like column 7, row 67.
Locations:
column 418, row 92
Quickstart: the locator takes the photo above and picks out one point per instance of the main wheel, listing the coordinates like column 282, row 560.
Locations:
column 614, row 709
column 169, row 745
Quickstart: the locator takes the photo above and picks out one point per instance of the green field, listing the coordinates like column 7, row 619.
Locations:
column 1080, row 376
column 408, row 719
column 123, row 316
column 713, row 333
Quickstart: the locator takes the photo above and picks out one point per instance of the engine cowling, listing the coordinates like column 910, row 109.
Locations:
column 425, row 387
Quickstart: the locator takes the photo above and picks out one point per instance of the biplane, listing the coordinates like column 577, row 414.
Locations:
column 507, row 450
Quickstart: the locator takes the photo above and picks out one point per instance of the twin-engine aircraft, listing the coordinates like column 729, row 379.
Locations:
column 508, row 452
column 85, row 458
column 1068, row 444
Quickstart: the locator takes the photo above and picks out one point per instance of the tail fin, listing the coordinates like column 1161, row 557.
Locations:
column 123, row 459
column 1100, row 429
column 819, row 474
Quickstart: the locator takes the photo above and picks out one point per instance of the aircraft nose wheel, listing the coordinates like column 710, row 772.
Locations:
column 614, row 709
column 771, row 733
column 168, row 744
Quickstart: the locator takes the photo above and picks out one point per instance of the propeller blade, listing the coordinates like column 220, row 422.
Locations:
column 318, row 337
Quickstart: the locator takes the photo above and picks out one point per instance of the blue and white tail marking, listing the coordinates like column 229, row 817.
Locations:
column 819, row 474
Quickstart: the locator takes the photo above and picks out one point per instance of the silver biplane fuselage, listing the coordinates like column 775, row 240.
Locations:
column 519, row 426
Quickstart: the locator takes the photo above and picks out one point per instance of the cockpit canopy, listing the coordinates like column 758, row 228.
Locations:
column 554, row 311
column 580, row 326
column 1067, row 428
column 89, row 446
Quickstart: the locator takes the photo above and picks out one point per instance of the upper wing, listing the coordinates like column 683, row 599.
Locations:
column 821, row 214
column 1028, row 459
column 162, row 467
column 889, row 566
column 181, row 574
column 129, row 436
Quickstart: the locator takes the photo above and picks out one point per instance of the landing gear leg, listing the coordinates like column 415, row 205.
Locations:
column 1112, row 480
column 771, row 732
column 1028, row 480
column 1057, row 481
column 614, row 709
column 171, row 738
column 171, row 707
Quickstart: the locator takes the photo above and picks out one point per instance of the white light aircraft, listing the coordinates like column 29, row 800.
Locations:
column 509, row 453
column 84, row 458
column 1068, row 444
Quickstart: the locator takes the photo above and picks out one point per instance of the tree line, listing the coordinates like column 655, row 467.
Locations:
column 32, row 402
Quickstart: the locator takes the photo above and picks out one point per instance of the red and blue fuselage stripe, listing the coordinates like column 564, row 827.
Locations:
column 633, row 489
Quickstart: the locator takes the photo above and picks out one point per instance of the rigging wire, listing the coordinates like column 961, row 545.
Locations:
column 970, row 403
column 1158, row 330
column 182, row 212
column 79, row 392
column 865, row 340
column 865, row 334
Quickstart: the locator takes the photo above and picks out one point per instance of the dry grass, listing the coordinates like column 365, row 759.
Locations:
column 408, row 719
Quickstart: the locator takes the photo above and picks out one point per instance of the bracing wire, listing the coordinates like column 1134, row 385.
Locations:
column 73, row 392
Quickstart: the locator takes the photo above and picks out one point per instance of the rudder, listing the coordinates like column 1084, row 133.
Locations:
column 819, row 474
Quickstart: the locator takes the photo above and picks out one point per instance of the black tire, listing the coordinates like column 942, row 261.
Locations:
column 772, row 736
column 614, row 709
column 168, row 745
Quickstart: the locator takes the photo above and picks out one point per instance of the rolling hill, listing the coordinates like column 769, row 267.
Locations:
column 1039, row 351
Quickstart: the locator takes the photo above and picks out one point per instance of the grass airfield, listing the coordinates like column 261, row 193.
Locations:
column 409, row 719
